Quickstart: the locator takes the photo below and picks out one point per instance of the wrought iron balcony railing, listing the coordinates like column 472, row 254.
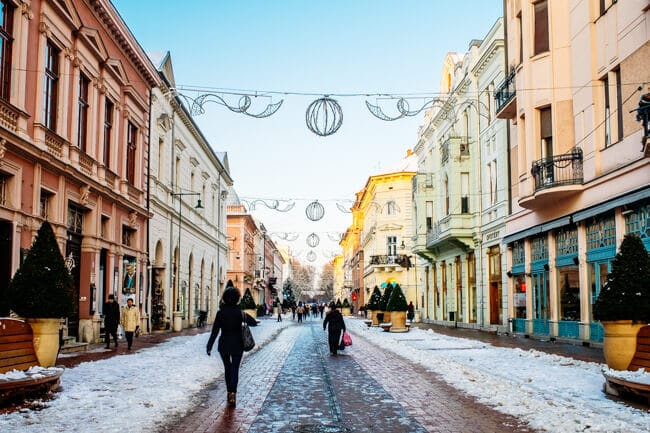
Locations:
column 400, row 259
column 558, row 170
column 506, row 92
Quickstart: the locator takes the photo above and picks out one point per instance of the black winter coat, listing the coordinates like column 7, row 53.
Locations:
column 335, row 320
column 229, row 320
column 111, row 315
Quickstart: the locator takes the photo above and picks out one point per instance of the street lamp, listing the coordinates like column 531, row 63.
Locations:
column 177, row 272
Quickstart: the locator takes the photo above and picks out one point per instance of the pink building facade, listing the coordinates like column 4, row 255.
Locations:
column 74, row 148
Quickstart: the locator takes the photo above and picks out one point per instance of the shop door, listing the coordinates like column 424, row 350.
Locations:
column 6, row 238
column 495, row 298
column 73, row 247
column 541, row 311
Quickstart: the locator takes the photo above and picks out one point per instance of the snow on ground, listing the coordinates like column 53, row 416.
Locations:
column 136, row 391
column 130, row 392
column 552, row 393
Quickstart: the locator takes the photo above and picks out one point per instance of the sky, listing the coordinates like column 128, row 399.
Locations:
column 308, row 49
column 552, row 393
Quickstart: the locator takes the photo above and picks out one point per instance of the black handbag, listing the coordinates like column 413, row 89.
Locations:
column 246, row 334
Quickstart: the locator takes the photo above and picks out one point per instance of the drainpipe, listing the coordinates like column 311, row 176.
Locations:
column 149, row 272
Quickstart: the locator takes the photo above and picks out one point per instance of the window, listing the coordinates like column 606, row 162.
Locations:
column 128, row 236
column 161, row 159
column 131, row 138
column 103, row 230
column 82, row 113
column 108, row 131
column 51, row 85
column 619, row 106
column 3, row 189
column 6, row 42
column 464, row 192
column 608, row 125
column 520, row 28
column 429, row 215
column 541, row 27
column 546, row 132
column 75, row 219
column 44, row 210
column 446, row 186
column 391, row 208
column 492, row 167
column 177, row 175
column 391, row 246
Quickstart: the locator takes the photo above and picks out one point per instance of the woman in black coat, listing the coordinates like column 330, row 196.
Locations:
column 231, row 347
column 336, row 325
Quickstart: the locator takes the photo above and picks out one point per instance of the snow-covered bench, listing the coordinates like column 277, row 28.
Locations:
column 20, row 374
column 628, row 383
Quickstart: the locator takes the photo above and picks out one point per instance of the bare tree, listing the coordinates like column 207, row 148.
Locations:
column 326, row 282
column 303, row 279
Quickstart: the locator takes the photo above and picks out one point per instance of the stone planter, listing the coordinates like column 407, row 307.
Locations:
column 46, row 340
column 251, row 312
column 177, row 324
column 398, row 318
column 345, row 311
column 387, row 317
column 619, row 345
column 377, row 318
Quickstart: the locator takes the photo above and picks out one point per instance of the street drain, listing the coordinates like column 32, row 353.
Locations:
column 319, row 428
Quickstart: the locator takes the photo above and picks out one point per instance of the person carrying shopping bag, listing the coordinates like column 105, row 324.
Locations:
column 334, row 320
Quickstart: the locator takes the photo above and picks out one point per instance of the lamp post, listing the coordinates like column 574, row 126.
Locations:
column 408, row 267
column 177, row 271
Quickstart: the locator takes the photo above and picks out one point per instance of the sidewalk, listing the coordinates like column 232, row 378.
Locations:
column 583, row 353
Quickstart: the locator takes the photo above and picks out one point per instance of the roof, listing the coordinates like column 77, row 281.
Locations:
column 408, row 163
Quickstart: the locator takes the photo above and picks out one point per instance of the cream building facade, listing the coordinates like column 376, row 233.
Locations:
column 188, row 244
column 579, row 171
column 460, row 192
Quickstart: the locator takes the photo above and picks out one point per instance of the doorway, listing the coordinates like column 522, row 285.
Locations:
column 73, row 251
column 6, row 239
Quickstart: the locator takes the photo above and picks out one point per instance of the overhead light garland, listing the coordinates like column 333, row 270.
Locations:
column 273, row 204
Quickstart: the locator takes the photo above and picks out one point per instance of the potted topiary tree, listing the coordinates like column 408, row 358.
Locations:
column 373, row 306
column 247, row 304
column 384, row 302
column 397, row 307
column 338, row 304
column 345, row 309
column 623, row 304
column 41, row 292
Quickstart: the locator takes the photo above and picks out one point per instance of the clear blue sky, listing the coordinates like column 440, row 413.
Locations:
column 312, row 46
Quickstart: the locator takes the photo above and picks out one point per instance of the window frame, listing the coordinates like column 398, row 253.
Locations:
column 82, row 111
column 131, row 148
column 51, row 85
column 109, row 109
column 6, row 48
column 541, row 34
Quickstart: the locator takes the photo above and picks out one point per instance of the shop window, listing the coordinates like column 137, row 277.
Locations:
column 520, row 296
column 569, row 284
column 518, row 254
column 75, row 219
column 601, row 232
column 637, row 222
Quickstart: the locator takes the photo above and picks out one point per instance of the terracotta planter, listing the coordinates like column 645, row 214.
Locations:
column 398, row 318
column 375, row 317
column 619, row 345
column 46, row 340
column 345, row 311
column 387, row 317
column 252, row 313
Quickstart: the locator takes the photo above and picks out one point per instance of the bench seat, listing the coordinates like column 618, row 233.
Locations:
column 20, row 374
column 622, row 387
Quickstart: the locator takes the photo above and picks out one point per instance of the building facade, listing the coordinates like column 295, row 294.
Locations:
column 74, row 149
column 187, row 242
column 579, row 168
column 460, row 194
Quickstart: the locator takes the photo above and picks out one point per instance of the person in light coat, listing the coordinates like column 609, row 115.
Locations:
column 130, row 321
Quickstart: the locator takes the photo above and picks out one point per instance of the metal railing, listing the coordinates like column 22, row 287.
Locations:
column 558, row 170
column 505, row 92
column 400, row 259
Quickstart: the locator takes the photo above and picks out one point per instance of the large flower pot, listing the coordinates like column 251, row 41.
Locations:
column 375, row 317
column 251, row 312
column 619, row 345
column 345, row 311
column 398, row 318
column 46, row 340
column 387, row 317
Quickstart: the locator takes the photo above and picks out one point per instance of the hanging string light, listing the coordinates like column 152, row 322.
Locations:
column 313, row 240
column 324, row 116
column 315, row 211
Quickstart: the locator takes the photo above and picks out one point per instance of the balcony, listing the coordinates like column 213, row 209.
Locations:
column 391, row 261
column 453, row 232
column 504, row 97
column 555, row 177
column 454, row 147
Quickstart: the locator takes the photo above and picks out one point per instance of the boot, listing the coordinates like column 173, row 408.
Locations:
column 232, row 399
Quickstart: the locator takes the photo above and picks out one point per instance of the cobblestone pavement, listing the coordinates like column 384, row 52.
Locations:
column 293, row 385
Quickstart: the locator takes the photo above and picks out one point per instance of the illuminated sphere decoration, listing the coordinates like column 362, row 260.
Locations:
column 315, row 211
column 313, row 240
column 311, row 256
column 324, row 116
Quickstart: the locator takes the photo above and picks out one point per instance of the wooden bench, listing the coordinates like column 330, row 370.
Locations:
column 17, row 353
column 386, row 326
column 620, row 387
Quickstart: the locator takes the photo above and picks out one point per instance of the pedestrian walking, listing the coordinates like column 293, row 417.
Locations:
column 299, row 312
column 335, row 325
column 410, row 311
column 130, row 321
column 229, row 321
column 111, row 320
column 279, row 314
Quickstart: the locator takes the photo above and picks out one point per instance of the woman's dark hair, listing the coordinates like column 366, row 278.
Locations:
column 231, row 296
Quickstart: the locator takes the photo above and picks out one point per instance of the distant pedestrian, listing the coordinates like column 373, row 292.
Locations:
column 279, row 314
column 293, row 312
column 299, row 312
column 111, row 320
column 334, row 319
column 321, row 309
column 130, row 321
column 410, row 311
column 229, row 321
